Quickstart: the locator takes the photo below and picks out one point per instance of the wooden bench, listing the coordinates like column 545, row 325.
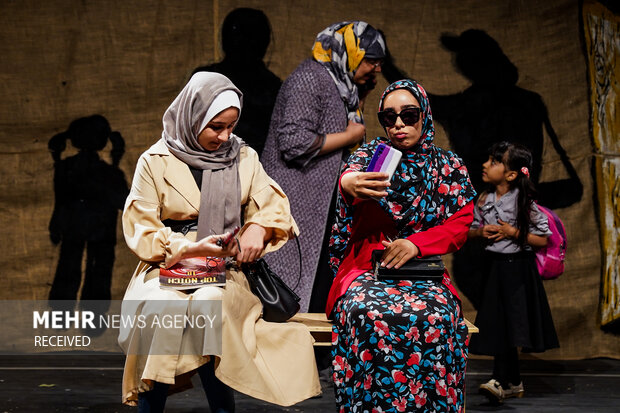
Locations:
column 321, row 328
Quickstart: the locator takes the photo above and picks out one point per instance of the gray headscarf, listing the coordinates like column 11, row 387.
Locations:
column 220, row 193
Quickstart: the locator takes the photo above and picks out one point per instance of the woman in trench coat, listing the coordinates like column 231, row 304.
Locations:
column 200, row 176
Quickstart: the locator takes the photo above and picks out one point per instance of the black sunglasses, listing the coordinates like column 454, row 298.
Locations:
column 409, row 116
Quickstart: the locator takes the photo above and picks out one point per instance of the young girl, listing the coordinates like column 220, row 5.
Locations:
column 514, row 311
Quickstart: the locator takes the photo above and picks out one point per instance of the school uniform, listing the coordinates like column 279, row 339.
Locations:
column 514, row 311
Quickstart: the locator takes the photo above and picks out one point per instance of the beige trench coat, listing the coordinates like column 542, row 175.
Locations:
column 269, row 361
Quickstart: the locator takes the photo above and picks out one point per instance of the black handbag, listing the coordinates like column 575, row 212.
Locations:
column 425, row 268
column 279, row 302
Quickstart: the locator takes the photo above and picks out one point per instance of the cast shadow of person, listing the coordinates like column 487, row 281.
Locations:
column 89, row 192
column 246, row 34
column 492, row 109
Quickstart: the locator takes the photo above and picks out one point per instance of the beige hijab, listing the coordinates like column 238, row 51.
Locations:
column 220, row 193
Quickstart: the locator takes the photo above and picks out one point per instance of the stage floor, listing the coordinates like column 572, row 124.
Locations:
column 93, row 383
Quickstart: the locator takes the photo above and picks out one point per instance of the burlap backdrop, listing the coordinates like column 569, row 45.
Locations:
column 126, row 60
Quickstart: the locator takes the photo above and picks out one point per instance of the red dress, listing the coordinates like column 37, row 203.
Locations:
column 371, row 225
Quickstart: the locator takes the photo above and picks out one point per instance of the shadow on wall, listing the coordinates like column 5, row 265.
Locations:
column 493, row 109
column 246, row 34
column 89, row 192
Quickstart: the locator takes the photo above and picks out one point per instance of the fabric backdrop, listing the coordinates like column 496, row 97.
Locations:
column 127, row 60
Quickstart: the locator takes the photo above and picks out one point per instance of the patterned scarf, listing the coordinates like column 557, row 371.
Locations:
column 340, row 49
column 429, row 185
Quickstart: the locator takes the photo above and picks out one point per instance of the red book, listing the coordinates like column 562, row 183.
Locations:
column 193, row 273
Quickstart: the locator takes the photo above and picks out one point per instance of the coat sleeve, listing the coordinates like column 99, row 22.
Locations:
column 144, row 232
column 447, row 237
column 268, row 206
column 298, row 137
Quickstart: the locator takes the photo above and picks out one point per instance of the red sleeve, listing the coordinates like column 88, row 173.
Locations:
column 347, row 198
column 447, row 237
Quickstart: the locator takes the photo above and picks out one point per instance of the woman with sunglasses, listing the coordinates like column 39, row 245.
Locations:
column 399, row 345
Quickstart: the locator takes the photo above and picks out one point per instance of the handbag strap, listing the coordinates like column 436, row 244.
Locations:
column 298, row 250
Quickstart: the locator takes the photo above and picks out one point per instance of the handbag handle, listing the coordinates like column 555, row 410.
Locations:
column 298, row 250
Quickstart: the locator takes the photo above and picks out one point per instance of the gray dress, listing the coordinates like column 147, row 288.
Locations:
column 307, row 108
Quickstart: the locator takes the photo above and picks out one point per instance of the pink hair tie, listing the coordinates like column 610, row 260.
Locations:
column 525, row 171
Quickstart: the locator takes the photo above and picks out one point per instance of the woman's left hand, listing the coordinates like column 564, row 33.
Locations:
column 398, row 252
column 252, row 243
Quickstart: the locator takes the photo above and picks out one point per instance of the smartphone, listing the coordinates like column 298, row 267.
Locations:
column 385, row 159
column 223, row 242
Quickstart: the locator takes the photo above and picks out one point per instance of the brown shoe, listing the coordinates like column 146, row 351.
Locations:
column 492, row 390
column 514, row 391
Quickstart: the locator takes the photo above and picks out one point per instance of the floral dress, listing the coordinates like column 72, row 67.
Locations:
column 400, row 346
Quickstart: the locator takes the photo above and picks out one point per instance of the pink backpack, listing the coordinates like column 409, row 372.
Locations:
column 550, row 259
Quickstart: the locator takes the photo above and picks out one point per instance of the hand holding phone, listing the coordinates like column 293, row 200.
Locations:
column 223, row 242
column 385, row 159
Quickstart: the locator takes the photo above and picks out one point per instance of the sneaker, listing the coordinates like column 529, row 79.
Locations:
column 493, row 390
column 514, row 391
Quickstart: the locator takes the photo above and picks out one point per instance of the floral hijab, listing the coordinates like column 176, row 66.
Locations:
column 429, row 185
column 340, row 48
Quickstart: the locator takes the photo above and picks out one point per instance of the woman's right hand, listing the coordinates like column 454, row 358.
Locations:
column 356, row 132
column 365, row 185
column 207, row 247
column 352, row 135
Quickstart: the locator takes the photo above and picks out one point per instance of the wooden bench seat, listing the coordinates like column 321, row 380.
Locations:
column 321, row 328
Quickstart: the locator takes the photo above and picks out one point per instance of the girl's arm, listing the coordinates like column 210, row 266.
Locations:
column 478, row 229
column 537, row 241
column 475, row 232
column 485, row 231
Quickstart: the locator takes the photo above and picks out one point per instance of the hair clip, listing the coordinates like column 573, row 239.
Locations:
column 525, row 171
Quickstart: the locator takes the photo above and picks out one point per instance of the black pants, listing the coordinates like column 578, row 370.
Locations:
column 220, row 397
column 506, row 367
